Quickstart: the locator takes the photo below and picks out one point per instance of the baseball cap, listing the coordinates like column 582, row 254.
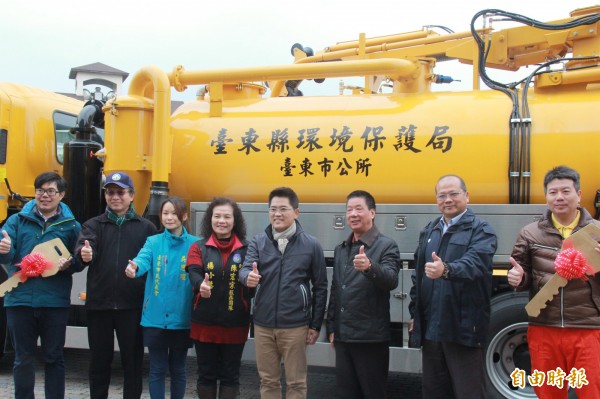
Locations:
column 120, row 179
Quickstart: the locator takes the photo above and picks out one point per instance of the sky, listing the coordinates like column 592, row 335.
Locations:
column 41, row 41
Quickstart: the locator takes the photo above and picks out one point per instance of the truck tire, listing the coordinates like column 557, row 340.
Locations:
column 507, row 346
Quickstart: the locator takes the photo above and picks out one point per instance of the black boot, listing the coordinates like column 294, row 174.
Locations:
column 207, row 391
column 226, row 392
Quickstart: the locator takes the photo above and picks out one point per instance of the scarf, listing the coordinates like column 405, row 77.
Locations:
column 282, row 238
column 119, row 220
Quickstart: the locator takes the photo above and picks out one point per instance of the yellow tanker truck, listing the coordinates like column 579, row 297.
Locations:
column 34, row 125
column 251, row 129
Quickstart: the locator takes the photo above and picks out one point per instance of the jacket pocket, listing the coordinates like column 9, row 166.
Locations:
column 145, row 307
column 539, row 246
column 254, row 301
column 304, row 297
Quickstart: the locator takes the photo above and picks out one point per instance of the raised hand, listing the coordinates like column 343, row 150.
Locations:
column 205, row 289
column 434, row 269
column 361, row 261
column 515, row 274
column 130, row 269
column 253, row 277
column 5, row 243
column 86, row 252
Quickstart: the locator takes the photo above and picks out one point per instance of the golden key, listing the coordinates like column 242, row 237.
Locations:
column 545, row 295
column 52, row 250
column 584, row 240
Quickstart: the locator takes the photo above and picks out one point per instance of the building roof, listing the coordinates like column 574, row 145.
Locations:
column 99, row 68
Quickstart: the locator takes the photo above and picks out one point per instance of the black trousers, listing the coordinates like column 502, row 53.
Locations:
column 102, row 324
column 219, row 362
column 362, row 370
column 452, row 371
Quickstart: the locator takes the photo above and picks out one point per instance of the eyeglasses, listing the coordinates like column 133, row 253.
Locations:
column 50, row 191
column 452, row 195
column 282, row 209
column 112, row 193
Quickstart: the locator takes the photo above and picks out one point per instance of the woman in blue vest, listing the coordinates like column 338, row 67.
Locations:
column 167, row 298
column 221, row 309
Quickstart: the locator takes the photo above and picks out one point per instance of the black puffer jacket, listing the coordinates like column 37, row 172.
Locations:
column 113, row 246
column 283, row 298
column 359, row 302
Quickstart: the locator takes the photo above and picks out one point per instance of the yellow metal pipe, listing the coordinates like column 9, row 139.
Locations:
column 588, row 75
column 353, row 52
column 385, row 66
column 153, row 82
column 379, row 40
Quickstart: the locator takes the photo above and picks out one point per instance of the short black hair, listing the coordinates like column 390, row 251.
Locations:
column 369, row 199
column 562, row 172
column 287, row 193
column 239, row 224
column 49, row 177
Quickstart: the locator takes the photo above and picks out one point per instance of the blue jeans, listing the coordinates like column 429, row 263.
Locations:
column 25, row 325
column 160, row 360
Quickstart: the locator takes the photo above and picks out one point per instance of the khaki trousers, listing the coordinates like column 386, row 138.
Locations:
column 274, row 345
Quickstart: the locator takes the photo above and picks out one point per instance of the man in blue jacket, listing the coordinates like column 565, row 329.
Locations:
column 282, row 263
column 39, row 307
column 450, row 297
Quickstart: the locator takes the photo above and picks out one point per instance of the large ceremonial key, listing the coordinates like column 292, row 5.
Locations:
column 51, row 250
column 584, row 240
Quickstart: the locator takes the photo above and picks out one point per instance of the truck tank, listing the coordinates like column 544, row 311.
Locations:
column 251, row 129
column 235, row 141
column 395, row 146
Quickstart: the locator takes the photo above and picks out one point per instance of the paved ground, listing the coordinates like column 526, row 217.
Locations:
column 321, row 381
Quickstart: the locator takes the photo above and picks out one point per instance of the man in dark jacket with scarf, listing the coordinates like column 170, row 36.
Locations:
column 450, row 297
column 282, row 263
column 566, row 334
column 113, row 301
column 365, row 269
column 39, row 307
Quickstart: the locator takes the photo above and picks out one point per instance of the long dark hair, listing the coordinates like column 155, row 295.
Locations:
column 239, row 224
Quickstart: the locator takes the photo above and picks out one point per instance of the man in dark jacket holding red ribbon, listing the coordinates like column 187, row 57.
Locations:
column 564, row 339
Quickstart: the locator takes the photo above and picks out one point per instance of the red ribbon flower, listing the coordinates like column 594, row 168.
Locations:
column 570, row 263
column 33, row 265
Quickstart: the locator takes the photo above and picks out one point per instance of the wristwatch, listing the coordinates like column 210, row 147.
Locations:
column 446, row 270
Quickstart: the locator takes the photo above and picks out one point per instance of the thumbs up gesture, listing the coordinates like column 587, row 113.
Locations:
column 434, row 269
column 253, row 277
column 205, row 287
column 86, row 252
column 5, row 243
column 515, row 274
column 130, row 269
column 361, row 262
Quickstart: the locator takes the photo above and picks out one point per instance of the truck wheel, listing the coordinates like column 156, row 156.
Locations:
column 507, row 348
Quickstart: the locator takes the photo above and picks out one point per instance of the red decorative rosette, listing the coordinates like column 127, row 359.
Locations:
column 33, row 265
column 570, row 263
